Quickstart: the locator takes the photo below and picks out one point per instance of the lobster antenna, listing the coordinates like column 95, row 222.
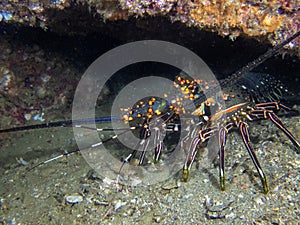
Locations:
column 66, row 123
column 256, row 62
column 247, row 68
column 63, row 123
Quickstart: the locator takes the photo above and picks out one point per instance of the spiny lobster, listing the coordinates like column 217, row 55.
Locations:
column 259, row 98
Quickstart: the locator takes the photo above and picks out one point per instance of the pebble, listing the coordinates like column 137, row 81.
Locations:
column 39, row 117
column 73, row 199
column 27, row 116
column 41, row 92
column 157, row 219
column 22, row 162
column 45, row 78
column 118, row 204
column 259, row 200
column 170, row 186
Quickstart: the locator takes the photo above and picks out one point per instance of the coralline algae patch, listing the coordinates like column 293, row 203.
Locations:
column 252, row 20
column 238, row 17
column 278, row 18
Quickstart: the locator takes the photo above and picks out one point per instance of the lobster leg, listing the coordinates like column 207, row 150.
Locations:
column 202, row 137
column 223, row 131
column 245, row 135
column 145, row 144
column 265, row 111
column 158, row 145
column 272, row 116
column 222, row 143
column 190, row 158
column 144, row 134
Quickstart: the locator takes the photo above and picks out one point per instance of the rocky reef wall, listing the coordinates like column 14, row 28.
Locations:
column 270, row 21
